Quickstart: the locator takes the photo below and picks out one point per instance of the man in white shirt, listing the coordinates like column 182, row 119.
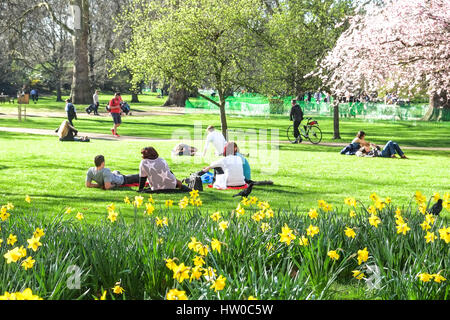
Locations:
column 217, row 139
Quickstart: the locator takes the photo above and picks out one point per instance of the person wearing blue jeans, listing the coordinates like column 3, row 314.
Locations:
column 390, row 149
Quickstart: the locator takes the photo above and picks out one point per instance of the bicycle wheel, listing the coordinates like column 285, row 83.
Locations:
column 290, row 133
column 315, row 135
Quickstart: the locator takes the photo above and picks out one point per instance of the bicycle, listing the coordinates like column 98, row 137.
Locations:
column 312, row 132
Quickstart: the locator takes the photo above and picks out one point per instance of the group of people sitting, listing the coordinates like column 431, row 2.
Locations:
column 362, row 148
column 231, row 170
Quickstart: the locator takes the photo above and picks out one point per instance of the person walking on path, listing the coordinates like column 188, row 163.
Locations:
column 96, row 102
column 34, row 95
column 296, row 116
column 115, row 110
column 71, row 111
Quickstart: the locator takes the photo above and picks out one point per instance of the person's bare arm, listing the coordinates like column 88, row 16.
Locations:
column 108, row 186
column 92, row 185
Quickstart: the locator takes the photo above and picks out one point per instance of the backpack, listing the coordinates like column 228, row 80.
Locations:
column 195, row 182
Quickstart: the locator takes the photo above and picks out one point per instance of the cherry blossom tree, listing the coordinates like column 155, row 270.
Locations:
column 402, row 46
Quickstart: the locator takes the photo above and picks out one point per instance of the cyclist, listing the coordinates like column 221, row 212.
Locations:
column 296, row 116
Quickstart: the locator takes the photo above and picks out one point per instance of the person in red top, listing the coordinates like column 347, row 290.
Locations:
column 114, row 109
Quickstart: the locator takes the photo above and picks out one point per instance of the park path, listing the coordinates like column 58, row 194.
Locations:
column 101, row 136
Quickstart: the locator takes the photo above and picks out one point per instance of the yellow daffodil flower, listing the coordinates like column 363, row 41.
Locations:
column 265, row 226
column 350, row 233
column 403, row 228
column 219, row 284
column 11, row 239
column 175, row 294
column 34, row 244
column 38, row 233
column 28, row 263
column 333, row 255
column 313, row 214
column 169, row 203
column 425, row 277
column 223, row 225
column 117, row 289
column 358, row 274
column 215, row 216
column 303, row 241
column 170, row 264
column 374, row 220
column 363, row 255
column 216, row 245
column 312, row 231
column 430, row 237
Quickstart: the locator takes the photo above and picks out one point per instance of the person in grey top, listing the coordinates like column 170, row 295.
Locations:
column 106, row 179
column 157, row 172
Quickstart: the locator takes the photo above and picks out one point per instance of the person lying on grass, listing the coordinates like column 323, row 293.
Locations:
column 228, row 171
column 389, row 151
column 182, row 149
column 105, row 178
column 157, row 172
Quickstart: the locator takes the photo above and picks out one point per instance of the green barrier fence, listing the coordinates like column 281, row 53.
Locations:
column 248, row 104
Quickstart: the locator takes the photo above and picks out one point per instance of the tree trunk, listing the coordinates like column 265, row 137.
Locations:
column 439, row 108
column 223, row 116
column 154, row 84
column 91, row 62
column 177, row 97
column 80, row 84
column 336, row 132
column 58, row 91
column 134, row 97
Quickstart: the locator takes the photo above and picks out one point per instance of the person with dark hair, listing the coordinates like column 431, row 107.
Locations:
column 156, row 170
column 71, row 111
column 229, row 170
column 389, row 151
column 360, row 139
column 105, row 178
column 296, row 116
column 115, row 110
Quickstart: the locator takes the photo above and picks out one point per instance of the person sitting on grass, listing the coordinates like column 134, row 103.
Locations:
column 66, row 132
column 157, row 172
column 245, row 165
column 105, row 178
column 389, row 151
column 228, row 171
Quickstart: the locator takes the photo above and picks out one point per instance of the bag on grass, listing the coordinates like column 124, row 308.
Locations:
column 207, row 178
column 195, row 182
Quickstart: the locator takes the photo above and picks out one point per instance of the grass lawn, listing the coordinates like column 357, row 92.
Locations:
column 53, row 174
column 48, row 103
column 423, row 134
